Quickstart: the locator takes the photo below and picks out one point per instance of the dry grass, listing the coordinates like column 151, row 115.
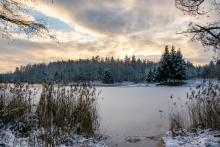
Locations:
column 204, row 106
column 15, row 102
column 61, row 112
column 201, row 110
column 70, row 110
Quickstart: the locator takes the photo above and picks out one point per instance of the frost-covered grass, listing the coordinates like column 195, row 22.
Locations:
column 201, row 109
column 16, row 101
column 200, row 138
column 8, row 138
column 61, row 114
column 200, row 112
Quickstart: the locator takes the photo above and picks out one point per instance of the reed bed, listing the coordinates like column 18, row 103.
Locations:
column 62, row 112
column 201, row 109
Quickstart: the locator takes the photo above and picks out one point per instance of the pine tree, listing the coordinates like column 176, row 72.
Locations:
column 1, row 78
column 163, row 68
column 108, row 78
column 179, row 66
column 150, row 76
column 212, row 68
column 133, row 61
column 218, row 69
column 172, row 66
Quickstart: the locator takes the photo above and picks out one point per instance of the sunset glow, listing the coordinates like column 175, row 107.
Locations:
column 105, row 28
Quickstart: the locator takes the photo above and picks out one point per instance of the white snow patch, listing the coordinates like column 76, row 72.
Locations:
column 202, row 138
column 8, row 139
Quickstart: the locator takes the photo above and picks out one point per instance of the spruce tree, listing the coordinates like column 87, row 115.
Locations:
column 172, row 66
column 179, row 67
column 163, row 68
column 108, row 78
column 150, row 76
column 217, row 68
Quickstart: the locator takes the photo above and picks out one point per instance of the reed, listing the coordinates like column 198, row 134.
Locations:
column 201, row 109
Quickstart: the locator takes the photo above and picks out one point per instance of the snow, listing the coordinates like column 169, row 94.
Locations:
column 16, row 135
column 188, row 83
column 8, row 139
column 201, row 138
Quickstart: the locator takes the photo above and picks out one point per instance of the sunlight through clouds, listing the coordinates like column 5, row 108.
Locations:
column 105, row 28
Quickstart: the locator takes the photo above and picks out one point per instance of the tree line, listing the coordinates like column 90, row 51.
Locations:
column 94, row 69
column 171, row 67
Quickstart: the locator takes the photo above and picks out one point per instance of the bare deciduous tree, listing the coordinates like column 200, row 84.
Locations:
column 208, row 35
column 15, row 17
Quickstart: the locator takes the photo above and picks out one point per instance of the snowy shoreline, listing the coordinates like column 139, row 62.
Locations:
column 200, row 138
column 8, row 139
column 186, row 83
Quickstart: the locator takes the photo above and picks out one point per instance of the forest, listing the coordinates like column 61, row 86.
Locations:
column 97, row 69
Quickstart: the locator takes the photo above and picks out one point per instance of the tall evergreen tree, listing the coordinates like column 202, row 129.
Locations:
column 172, row 66
column 150, row 76
column 108, row 78
column 163, row 68
column 179, row 66
column 218, row 69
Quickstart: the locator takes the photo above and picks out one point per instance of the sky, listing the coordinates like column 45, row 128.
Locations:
column 86, row 28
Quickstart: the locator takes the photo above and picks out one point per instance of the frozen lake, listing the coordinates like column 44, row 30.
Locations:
column 136, row 111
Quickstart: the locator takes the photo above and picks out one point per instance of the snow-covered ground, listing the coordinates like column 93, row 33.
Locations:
column 202, row 138
column 8, row 139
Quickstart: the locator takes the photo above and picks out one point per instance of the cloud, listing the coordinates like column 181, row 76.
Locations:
column 106, row 28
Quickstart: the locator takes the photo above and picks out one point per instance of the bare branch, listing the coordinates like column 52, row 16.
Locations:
column 189, row 6
column 15, row 18
column 209, row 35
